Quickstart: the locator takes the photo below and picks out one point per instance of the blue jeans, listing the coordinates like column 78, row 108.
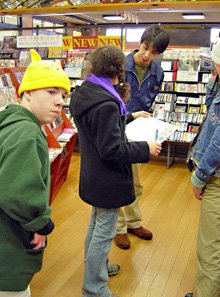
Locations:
column 101, row 231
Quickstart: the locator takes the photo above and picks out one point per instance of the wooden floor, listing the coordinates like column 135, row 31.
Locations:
column 163, row 267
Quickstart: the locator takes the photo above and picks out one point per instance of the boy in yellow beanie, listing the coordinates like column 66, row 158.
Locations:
column 25, row 174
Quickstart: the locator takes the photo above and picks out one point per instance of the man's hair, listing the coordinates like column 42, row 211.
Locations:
column 108, row 61
column 157, row 36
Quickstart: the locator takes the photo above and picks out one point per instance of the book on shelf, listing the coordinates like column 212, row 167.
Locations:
column 194, row 109
column 10, row 63
column 13, row 94
column 189, row 59
column 181, row 126
column 3, row 102
column 187, row 76
column 205, row 77
column 75, row 63
column 194, row 100
column 203, row 108
column 53, row 153
column 158, row 106
column 168, row 76
column 206, row 63
column 168, row 106
column 182, row 136
column 180, row 108
column 186, row 88
column 19, row 76
column 166, row 65
column 182, row 99
column 167, row 86
column 193, row 128
column 24, row 59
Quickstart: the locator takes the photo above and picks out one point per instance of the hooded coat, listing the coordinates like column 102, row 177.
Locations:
column 106, row 178
column 24, row 195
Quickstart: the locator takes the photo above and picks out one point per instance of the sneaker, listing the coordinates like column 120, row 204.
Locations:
column 189, row 295
column 122, row 241
column 113, row 269
column 141, row 232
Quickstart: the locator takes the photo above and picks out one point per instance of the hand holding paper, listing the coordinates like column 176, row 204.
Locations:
column 154, row 148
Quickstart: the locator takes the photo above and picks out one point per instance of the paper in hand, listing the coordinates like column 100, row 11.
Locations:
column 149, row 129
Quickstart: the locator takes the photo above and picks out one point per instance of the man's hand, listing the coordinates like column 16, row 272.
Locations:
column 139, row 114
column 38, row 241
column 154, row 148
column 198, row 192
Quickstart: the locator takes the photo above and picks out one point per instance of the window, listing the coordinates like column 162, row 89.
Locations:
column 215, row 34
column 10, row 19
column 134, row 35
column 37, row 23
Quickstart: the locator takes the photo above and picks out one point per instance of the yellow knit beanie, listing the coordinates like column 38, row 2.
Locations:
column 40, row 74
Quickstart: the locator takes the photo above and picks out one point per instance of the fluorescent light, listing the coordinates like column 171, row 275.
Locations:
column 159, row 9
column 193, row 16
column 112, row 17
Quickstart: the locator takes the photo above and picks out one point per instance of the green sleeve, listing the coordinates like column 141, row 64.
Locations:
column 25, row 184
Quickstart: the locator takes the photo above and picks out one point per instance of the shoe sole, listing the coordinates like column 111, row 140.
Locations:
column 113, row 273
column 123, row 247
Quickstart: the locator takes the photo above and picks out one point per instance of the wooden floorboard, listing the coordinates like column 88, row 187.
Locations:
column 163, row 267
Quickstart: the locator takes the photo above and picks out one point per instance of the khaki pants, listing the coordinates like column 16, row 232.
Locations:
column 25, row 293
column 208, row 245
column 130, row 215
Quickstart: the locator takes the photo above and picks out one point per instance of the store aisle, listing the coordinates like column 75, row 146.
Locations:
column 164, row 267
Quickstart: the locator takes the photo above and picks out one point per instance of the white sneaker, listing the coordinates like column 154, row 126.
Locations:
column 113, row 269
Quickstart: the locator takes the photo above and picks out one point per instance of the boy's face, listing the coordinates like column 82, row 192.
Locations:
column 146, row 54
column 46, row 104
column 217, row 68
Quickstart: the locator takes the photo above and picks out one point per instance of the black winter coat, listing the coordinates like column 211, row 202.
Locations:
column 106, row 178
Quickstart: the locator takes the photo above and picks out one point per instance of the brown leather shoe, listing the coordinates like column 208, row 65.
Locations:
column 141, row 232
column 122, row 241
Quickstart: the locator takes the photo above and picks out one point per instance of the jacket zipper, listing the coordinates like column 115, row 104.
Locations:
column 142, row 80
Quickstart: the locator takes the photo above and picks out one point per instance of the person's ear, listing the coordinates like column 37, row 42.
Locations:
column 27, row 95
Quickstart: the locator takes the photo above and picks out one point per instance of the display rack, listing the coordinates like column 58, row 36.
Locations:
column 61, row 152
column 180, row 101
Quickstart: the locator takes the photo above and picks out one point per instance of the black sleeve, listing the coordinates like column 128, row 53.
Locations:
column 109, row 137
column 46, row 229
column 129, row 118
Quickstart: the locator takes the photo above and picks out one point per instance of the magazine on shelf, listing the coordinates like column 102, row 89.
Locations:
column 187, row 76
column 149, row 129
column 166, row 65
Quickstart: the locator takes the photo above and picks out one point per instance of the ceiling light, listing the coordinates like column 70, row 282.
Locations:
column 112, row 17
column 193, row 16
column 159, row 9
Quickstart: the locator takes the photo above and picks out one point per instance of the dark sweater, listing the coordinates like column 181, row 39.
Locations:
column 106, row 178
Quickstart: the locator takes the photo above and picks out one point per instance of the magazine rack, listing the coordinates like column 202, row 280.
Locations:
column 60, row 164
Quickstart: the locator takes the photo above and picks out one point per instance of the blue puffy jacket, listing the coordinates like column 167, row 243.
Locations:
column 142, row 93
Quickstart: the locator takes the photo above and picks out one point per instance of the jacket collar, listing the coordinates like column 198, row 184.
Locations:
column 130, row 65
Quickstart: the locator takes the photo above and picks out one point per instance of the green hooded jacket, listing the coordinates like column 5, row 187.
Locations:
column 24, row 195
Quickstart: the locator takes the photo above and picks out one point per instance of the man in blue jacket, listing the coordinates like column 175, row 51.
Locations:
column 145, row 77
column 206, row 187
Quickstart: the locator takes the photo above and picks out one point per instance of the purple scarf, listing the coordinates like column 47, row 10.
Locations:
column 106, row 83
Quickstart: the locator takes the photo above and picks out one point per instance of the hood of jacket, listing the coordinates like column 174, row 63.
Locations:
column 15, row 113
column 87, row 96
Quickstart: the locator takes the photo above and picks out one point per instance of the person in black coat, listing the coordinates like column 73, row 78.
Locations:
column 106, row 180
